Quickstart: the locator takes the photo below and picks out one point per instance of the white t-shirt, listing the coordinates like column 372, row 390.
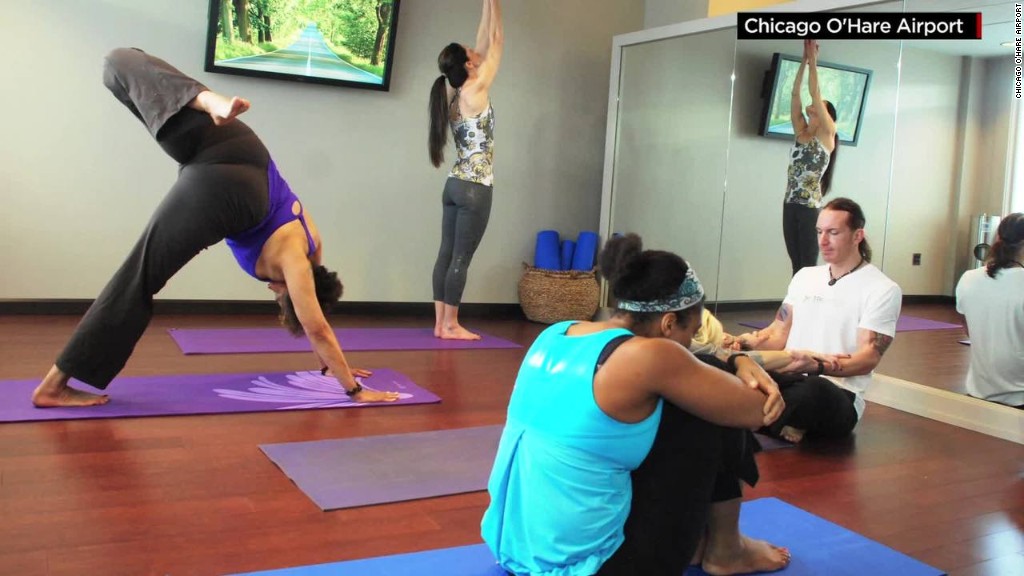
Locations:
column 994, row 308
column 826, row 318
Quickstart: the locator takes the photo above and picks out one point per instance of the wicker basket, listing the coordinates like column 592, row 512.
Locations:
column 551, row 296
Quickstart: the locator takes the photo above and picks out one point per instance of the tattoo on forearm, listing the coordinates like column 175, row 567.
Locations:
column 782, row 314
column 880, row 342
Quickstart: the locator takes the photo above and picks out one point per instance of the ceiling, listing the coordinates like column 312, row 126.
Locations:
column 997, row 27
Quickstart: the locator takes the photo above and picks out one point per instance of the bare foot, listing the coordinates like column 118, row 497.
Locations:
column 752, row 556
column 790, row 434
column 54, row 392
column 437, row 331
column 223, row 110
column 458, row 333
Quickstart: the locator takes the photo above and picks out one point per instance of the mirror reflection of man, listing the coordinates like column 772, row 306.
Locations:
column 837, row 320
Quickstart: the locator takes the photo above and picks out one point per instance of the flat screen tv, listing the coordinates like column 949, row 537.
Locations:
column 341, row 42
column 845, row 87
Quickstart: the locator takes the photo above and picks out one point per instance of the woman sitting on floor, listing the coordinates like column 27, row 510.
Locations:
column 618, row 440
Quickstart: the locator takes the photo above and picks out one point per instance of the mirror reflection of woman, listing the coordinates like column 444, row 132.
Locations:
column 460, row 101
column 812, row 161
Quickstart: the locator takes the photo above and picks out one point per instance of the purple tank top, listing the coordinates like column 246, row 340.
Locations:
column 248, row 245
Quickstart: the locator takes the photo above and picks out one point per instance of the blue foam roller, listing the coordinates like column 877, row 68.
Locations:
column 546, row 254
column 568, row 248
column 586, row 249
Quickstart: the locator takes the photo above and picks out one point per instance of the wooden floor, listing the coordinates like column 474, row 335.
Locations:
column 194, row 495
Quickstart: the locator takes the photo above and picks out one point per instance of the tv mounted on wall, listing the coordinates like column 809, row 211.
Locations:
column 340, row 42
column 845, row 87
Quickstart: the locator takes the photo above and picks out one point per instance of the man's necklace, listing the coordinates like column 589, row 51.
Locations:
column 832, row 279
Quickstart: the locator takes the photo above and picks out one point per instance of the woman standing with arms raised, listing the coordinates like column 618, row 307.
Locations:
column 811, row 163
column 460, row 101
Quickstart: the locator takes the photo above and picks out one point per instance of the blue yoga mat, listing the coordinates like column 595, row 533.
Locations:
column 546, row 254
column 819, row 547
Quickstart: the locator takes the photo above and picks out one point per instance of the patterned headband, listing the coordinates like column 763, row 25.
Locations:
column 689, row 294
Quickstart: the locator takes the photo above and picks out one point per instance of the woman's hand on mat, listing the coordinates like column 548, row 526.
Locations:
column 356, row 372
column 753, row 375
column 367, row 395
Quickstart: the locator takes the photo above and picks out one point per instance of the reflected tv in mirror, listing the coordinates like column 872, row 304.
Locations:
column 845, row 87
column 340, row 42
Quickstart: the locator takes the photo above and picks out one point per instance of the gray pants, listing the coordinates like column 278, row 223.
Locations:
column 467, row 208
column 221, row 190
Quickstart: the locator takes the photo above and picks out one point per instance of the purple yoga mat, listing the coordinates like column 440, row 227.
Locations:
column 210, row 394
column 904, row 324
column 262, row 340
column 353, row 472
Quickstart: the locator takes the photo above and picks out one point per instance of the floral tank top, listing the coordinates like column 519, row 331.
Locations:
column 474, row 143
column 807, row 163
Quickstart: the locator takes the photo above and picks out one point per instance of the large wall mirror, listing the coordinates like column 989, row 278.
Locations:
column 671, row 146
column 953, row 147
column 755, row 265
column 687, row 169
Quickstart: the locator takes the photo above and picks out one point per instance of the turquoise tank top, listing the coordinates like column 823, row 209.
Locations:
column 560, row 487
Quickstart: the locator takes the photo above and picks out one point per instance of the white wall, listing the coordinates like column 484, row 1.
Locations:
column 663, row 12
column 80, row 176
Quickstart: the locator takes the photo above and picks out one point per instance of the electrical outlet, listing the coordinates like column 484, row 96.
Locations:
column 917, row 259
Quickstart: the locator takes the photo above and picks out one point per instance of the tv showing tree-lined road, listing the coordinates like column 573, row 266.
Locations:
column 346, row 42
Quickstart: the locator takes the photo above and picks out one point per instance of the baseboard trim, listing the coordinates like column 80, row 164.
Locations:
column 235, row 307
column 949, row 407
column 928, row 299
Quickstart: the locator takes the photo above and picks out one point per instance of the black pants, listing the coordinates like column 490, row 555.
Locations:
column 467, row 208
column 691, row 465
column 221, row 191
column 798, row 224
column 816, row 405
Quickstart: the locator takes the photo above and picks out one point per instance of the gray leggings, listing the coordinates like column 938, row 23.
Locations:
column 467, row 208
column 221, row 191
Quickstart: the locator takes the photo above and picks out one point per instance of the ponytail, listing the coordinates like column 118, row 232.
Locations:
column 438, row 110
column 452, row 64
column 826, row 178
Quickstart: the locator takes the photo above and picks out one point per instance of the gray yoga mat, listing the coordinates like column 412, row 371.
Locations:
column 346, row 473
column 350, row 472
